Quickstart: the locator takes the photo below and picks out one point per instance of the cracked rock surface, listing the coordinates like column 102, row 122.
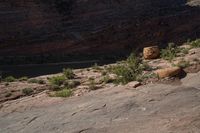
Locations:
column 154, row 108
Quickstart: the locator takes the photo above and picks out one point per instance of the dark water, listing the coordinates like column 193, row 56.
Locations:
column 44, row 69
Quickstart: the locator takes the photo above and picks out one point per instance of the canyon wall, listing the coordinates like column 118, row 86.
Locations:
column 34, row 27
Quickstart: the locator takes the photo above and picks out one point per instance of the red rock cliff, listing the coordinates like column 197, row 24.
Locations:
column 29, row 27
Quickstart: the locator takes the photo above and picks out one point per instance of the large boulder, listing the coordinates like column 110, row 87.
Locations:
column 168, row 72
column 151, row 52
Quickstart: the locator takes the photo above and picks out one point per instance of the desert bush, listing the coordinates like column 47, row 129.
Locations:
column 23, row 79
column 103, row 73
column 145, row 66
column 63, row 93
column 92, row 85
column 27, row 91
column 106, row 79
column 10, row 79
column 183, row 64
column 54, row 88
column 184, row 50
column 170, row 52
column 36, row 81
column 40, row 81
column 147, row 76
column 195, row 44
column 32, row 81
column 124, row 74
column 68, row 73
column 129, row 70
column 58, row 80
column 72, row 84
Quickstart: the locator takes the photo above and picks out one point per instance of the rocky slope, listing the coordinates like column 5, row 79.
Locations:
column 93, row 26
column 155, row 108
column 96, row 103
column 82, row 81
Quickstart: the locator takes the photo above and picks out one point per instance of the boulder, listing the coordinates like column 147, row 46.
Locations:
column 168, row 72
column 151, row 52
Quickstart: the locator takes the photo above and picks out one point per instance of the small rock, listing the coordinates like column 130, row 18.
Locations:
column 151, row 52
column 134, row 84
column 168, row 72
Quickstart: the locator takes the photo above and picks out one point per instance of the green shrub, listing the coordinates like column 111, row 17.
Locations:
column 124, row 74
column 40, row 81
column 170, row 52
column 23, row 79
column 63, row 93
column 92, row 85
column 145, row 66
column 10, row 79
column 129, row 71
column 183, row 64
column 55, row 88
column 68, row 73
column 103, row 73
column 107, row 79
column 195, row 44
column 184, row 50
column 36, row 81
column 58, row 80
column 147, row 76
column 27, row 91
column 32, row 81
column 72, row 84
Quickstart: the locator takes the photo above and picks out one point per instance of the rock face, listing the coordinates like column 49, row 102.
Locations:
column 151, row 52
column 93, row 26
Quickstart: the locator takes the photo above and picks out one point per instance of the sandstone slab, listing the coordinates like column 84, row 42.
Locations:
column 168, row 72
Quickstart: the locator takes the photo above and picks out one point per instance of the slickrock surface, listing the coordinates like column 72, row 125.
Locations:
column 155, row 108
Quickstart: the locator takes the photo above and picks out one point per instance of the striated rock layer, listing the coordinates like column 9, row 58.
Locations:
column 32, row 27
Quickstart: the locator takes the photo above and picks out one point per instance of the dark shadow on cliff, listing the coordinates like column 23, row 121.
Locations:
column 93, row 30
